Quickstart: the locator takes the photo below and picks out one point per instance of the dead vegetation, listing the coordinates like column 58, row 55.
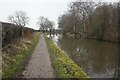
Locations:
column 16, row 47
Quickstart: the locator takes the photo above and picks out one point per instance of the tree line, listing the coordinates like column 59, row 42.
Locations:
column 20, row 18
column 98, row 20
column 17, row 29
column 91, row 19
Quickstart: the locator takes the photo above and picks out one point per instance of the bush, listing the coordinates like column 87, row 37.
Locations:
column 11, row 32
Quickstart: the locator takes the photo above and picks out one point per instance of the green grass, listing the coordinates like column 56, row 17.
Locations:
column 63, row 65
column 14, row 64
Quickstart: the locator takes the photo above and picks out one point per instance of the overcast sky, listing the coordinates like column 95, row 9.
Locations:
column 35, row 8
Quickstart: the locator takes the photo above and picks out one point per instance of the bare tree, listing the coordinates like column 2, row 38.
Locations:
column 45, row 23
column 90, row 19
column 19, row 18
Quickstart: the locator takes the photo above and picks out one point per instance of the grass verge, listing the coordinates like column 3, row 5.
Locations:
column 12, row 65
column 63, row 65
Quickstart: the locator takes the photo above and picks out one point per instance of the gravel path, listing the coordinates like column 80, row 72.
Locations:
column 39, row 65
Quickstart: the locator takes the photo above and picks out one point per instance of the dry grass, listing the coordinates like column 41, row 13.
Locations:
column 16, row 53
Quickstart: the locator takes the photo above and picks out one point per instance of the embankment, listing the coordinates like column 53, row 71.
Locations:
column 18, row 45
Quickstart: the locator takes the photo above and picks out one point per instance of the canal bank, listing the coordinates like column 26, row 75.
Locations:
column 63, row 65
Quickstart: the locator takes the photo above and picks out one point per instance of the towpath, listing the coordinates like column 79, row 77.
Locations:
column 39, row 65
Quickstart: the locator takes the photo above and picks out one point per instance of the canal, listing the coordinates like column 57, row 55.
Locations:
column 97, row 58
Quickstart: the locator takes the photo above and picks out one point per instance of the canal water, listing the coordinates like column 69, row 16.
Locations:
column 97, row 58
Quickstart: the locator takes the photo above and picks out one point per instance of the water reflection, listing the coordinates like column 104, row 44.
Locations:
column 96, row 58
